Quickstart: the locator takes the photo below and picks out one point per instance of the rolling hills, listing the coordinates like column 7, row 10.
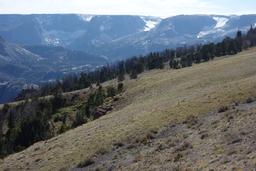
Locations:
column 165, row 118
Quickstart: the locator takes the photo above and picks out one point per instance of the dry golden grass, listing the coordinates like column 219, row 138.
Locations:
column 155, row 99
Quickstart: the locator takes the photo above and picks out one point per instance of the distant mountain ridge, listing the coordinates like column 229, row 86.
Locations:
column 21, row 65
column 117, row 37
column 43, row 47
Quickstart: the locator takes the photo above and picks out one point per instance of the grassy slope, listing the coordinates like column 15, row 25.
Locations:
column 156, row 99
column 212, row 141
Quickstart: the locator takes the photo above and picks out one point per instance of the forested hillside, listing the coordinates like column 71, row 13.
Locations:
column 39, row 106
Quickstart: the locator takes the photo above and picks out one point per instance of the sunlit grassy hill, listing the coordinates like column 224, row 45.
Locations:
column 155, row 100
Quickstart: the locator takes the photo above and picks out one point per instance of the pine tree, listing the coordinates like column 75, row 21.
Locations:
column 121, row 77
column 120, row 87
column 80, row 119
column 134, row 75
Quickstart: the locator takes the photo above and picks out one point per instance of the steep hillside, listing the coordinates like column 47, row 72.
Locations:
column 16, row 61
column 66, row 60
column 175, row 117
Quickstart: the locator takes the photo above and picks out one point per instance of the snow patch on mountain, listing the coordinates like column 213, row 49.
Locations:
column 221, row 22
column 150, row 23
column 218, row 28
column 52, row 41
column 86, row 18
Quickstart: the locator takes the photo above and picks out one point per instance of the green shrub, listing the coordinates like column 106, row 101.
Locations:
column 96, row 98
column 120, row 87
column 60, row 117
column 121, row 77
column 134, row 75
column 63, row 128
column 80, row 119
column 111, row 91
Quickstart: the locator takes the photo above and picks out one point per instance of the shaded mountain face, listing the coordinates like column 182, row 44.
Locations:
column 20, row 29
column 117, row 37
column 67, row 29
column 37, row 64
column 102, row 30
column 79, row 32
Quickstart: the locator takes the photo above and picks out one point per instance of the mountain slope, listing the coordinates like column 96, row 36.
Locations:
column 16, row 60
column 67, row 60
column 156, row 99
column 181, row 30
column 118, row 37
column 67, row 29
column 20, row 29
column 16, row 66
column 36, row 64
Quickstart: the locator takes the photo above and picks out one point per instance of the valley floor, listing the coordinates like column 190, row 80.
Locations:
column 195, row 117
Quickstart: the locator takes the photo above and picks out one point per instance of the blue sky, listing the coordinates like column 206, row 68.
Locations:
column 162, row 8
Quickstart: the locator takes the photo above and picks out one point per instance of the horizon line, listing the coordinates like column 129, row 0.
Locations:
column 71, row 13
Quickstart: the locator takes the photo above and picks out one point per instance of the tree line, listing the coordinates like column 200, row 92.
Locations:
column 177, row 58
